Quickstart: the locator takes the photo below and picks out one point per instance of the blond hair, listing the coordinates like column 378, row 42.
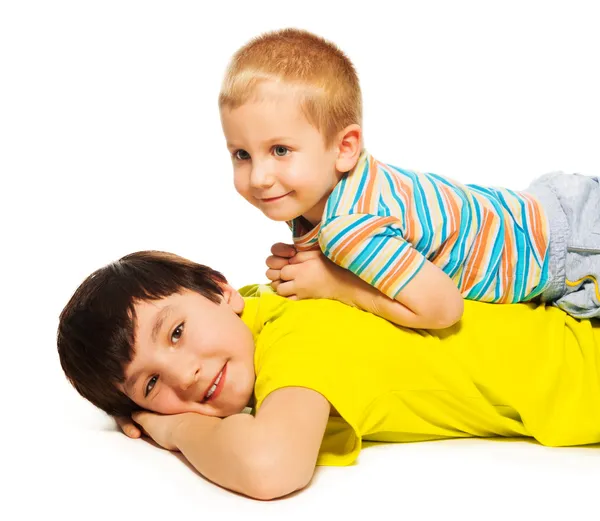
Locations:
column 324, row 77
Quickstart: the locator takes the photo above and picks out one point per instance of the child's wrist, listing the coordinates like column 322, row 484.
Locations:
column 192, row 428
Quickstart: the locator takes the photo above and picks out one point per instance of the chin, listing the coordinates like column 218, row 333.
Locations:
column 231, row 410
column 281, row 216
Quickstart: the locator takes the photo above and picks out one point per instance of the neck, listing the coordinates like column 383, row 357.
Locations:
column 315, row 214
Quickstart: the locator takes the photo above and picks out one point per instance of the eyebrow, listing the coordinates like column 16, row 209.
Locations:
column 270, row 141
column 130, row 382
column 160, row 320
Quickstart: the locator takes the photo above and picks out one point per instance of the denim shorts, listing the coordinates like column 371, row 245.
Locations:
column 572, row 205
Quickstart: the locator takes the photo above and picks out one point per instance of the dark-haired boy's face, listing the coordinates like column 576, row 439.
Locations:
column 191, row 355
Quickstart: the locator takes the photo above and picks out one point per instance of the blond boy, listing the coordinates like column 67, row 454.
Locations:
column 405, row 245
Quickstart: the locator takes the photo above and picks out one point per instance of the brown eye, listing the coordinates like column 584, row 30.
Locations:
column 150, row 385
column 241, row 155
column 177, row 332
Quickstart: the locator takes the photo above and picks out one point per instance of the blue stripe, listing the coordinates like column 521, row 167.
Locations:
column 544, row 279
column 367, row 254
column 420, row 201
column 480, row 289
column 346, row 231
column 391, row 260
column 442, row 207
column 457, row 254
column 396, row 197
column 332, row 205
column 363, row 181
column 533, row 249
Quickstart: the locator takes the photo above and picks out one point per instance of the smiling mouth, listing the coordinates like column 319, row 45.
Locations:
column 217, row 385
column 273, row 199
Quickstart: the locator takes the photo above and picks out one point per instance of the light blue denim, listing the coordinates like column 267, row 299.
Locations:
column 572, row 205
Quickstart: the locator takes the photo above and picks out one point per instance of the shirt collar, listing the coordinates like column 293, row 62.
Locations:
column 304, row 234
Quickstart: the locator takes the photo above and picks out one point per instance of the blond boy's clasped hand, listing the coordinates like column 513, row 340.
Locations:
column 306, row 274
column 280, row 257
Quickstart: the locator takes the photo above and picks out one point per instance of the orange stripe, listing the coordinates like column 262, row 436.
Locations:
column 365, row 200
column 480, row 250
column 386, row 283
column 409, row 221
column 452, row 205
column 341, row 251
column 538, row 228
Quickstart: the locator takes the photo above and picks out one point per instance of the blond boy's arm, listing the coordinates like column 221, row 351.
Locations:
column 266, row 456
column 430, row 300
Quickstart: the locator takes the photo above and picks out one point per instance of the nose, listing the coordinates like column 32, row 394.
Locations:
column 262, row 175
column 182, row 373
column 188, row 378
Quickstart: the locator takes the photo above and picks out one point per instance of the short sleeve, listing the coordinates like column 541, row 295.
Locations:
column 373, row 248
column 303, row 364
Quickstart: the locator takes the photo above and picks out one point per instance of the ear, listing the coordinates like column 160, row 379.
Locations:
column 232, row 298
column 349, row 146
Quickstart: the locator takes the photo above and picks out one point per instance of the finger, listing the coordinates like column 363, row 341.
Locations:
column 288, row 273
column 128, row 427
column 283, row 250
column 273, row 275
column 276, row 263
column 275, row 284
column 140, row 417
column 286, row 289
column 303, row 256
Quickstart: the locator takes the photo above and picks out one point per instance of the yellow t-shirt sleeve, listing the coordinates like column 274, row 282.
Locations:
column 296, row 361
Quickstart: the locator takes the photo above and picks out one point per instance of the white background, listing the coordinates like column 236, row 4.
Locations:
column 110, row 142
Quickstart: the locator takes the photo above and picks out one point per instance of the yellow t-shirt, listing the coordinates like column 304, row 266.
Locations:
column 504, row 370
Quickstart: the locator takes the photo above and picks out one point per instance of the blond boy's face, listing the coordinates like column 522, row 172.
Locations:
column 191, row 355
column 280, row 161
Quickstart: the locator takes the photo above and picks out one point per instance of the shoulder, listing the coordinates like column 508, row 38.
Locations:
column 308, row 328
column 357, row 190
column 256, row 290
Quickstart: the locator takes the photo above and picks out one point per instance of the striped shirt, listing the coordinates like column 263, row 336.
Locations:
column 382, row 222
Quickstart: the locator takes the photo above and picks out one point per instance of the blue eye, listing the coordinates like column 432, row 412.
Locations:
column 241, row 155
column 177, row 332
column 280, row 150
column 150, row 385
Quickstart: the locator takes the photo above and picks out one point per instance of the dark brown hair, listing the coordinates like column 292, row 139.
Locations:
column 96, row 331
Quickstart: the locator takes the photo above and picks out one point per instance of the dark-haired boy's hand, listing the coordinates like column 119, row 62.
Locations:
column 161, row 427
column 128, row 427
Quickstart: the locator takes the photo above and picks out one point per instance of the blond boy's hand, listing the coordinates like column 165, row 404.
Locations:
column 309, row 274
column 281, row 254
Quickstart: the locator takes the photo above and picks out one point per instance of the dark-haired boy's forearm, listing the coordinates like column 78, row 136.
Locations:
column 230, row 453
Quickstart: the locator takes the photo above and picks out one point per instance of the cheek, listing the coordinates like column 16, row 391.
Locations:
column 306, row 175
column 296, row 170
column 241, row 181
column 168, row 403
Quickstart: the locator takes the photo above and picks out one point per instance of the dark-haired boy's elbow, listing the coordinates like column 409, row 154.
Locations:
column 267, row 478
